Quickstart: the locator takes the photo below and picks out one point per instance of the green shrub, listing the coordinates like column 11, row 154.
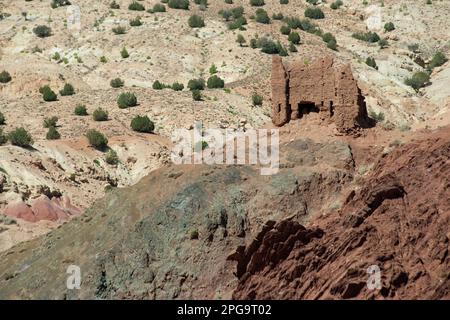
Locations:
column 336, row 5
column 332, row 44
column 5, row 77
column 142, row 124
column 196, row 84
column 124, row 53
column 2, row 119
column 126, row 100
column 48, row 94
column 20, row 137
column 136, row 22
column 68, row 90
column 262, row 16
column 117, row 83
column 438, row 60
column 50, row 122
column 383, row 43
column 42, row 31
column 257, row 3
column 52, row 134
column 80, row 110
column 97, row 139
column 196, row 21
column 313, row 2
column 294, row 37
column 237, row 12
column 159, row 8
column 240, row 39
column 119, row 30
column 314, row 13
column 284, row 1
column 215, row 82
column 111, row 157
column 158, row 85
column 330, row 40
column 179, row 4
column 238, row 23
column 177, row 86
column 371, row 37
column 285, row 30
column 292, row 47
column 277, row 16
column 114, row 5
column 3, row 138
column 371, row 63
column 378, row 117
column 196, row 95
column 389, row 26
column 100, row 115
column 229, row 1
column 136, row 6
column 418, row 80
column 59, row 3
column 257, row 100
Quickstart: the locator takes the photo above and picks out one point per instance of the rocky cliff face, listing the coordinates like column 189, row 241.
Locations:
column 398, row 221
column 320, row 87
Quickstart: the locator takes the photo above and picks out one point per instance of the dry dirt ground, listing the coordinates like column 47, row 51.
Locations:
column 165, row 48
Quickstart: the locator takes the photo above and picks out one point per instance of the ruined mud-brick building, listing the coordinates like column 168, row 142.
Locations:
column 320, row 87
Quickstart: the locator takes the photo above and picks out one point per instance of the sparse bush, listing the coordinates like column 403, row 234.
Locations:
column 238, row 23
column 336, row 5
column 119, row 30
column 142, row 124
column 2, row 119
column 97, row 139
column 48, row 94
column 383, row 43
column 284, row 1
column 59, row 3
column 196, row 84
column 371, row 37
column 196, row 95
column 332, row 44
column 229, row 1
column 389, row 26
column 378, row 117
column 438, row 60
column 292, row 47
column 68, row 90
column 257, row 3
column 262, row 16
column 179, row 4
column 103, row 59
column 136, row 22
column 314, row 13
column 257, row 100
column 418, row 80
column 136, row 6
column 196, row 21
column 371, row 63
column 50, row 122
column 285, row 30
column 5, row 77
column 159, row 8
column 157, row 85
column 294, row 37
column 3, row 137
column 100, row 115
column 20, row 137
column 126, row 100
column 194, row 235
column 80, row 110
column 111, row 157
column 114, row 5
column 124, row 53
column 240, row 39
column 277, row 16
column 177, row 86
column 215, row 82
column 213, row 69
column 52, row 134
column 42, row 31
column 117, row 83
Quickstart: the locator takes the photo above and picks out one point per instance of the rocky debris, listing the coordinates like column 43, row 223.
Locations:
column 398, row 222
column 43, row 208
column 319, row 87
column 169, row 242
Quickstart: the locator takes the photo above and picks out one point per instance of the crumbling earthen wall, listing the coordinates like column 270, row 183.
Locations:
column 320, row 87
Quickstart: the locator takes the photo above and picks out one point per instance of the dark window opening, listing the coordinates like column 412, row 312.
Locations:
column 279, row 107
column 306, row 107
column 331, row 109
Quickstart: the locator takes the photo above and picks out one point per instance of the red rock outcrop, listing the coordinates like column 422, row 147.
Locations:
column 320, row 87
column 43, row 208
column 399, row 221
